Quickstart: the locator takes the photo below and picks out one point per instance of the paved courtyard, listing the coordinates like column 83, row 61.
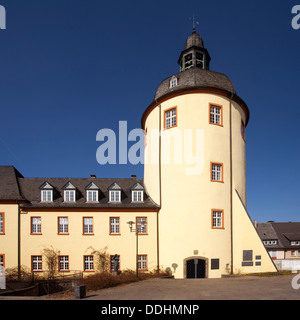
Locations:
column 245, row 288
column 232, row 288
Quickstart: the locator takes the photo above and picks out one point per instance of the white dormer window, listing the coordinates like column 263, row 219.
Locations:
column 295, row 243
column 114, row 193
column 137, row 193
column 46, row 192
column 46, row 196
column 173, row 82
column 137, row 196
column 69, row 192
column 114, row 196
column 92, row 193
column 69, row 195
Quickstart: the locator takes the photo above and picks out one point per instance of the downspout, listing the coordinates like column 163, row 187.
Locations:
column 19, row 242
column 160, row 192
column 231, row 182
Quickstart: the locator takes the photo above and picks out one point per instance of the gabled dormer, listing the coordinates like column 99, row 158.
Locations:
column 114, row 193
column 137, row 193
column 46, row 192
column 92, row 192
column 69, row 192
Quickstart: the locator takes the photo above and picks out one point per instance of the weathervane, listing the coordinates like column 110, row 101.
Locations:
column 194, row 22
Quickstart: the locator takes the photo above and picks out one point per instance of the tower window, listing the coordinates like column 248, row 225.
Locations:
column 217, row 219
column 200, row 60
column 217, row 172
column 171, row 118
column 188, row 61
column 215, row 115
column 173, row 82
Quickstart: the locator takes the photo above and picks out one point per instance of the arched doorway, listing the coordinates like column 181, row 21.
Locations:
column 195, row 268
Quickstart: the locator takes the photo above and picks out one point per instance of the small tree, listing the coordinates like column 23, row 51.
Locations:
column 51, row 260
column 102, row 259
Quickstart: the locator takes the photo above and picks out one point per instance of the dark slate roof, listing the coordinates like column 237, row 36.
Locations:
column 266, row 232
column 284, row 232
column 9, row 188
column 195, row 78
column 193, row 40
column 30, row 188
column 287, row 232
column 13, row 186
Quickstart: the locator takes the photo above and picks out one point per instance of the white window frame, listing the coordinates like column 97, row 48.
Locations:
column 142, row 262
column 36, row 225
column 293, row 243
column 114, row 195
column 137, row 196
column 2, row 260
column 215, row 114
column 88, row 225
column 63, row 225
column 36, row 263
column 171, row 118
column 217, row 172
column 173, row 82
column 92, row 195
column 69, row 196
column 63, row 263
column 217, row 219
column 1, row 223
column 46, row 195
column 88, row 263
column 114, row 225
column 141, row 229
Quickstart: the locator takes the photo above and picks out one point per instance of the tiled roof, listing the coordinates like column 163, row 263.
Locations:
column 195, row 78
column 14, row 186
column 283, row 232
column 9, row 189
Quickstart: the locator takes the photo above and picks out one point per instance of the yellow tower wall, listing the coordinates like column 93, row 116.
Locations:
column 187, row 199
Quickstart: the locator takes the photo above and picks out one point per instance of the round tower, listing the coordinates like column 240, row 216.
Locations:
column 195, row 165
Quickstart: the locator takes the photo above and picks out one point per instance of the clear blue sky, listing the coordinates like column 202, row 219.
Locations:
column 69, row 68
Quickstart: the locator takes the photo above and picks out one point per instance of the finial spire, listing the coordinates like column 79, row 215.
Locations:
column 194, row 22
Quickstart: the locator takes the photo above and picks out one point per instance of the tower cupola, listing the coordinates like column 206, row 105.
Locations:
column 194, row 53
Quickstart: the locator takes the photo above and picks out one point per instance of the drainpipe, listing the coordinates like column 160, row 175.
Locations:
column 231, row 180
column 160, row 192
column 19, row 241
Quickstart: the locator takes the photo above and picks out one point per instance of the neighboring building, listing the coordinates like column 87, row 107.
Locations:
column 282, row 241
column 75, row 216
column 191, row 216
